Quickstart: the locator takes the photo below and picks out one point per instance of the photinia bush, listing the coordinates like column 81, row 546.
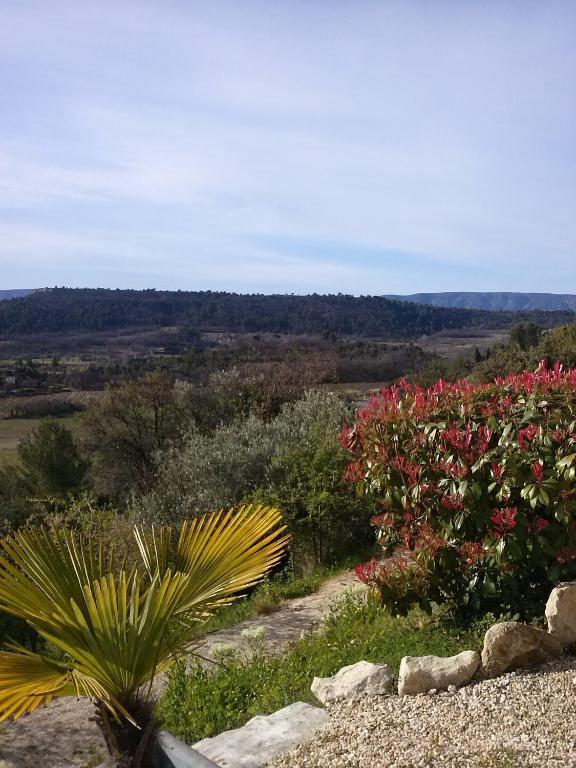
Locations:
column 477, row 489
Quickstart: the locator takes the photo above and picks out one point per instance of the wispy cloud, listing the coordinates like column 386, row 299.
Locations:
column 365, row 147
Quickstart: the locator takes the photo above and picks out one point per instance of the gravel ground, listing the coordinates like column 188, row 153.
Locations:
column 519, row 720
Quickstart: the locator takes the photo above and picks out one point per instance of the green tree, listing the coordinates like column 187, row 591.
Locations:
column 228, row 464
column 51, row 461
column 326, row 517
column 127, row 430
column 526, row 335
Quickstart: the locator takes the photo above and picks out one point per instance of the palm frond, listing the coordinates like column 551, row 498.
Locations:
column 29, row 680
column 120, row 630
column 41, row 572
column 220, row 554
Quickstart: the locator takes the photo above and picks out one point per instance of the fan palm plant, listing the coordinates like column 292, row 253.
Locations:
column 117, row 629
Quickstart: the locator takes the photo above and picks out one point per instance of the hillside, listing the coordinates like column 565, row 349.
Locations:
column 511, row 301
column 61, row 310
column 15, row 293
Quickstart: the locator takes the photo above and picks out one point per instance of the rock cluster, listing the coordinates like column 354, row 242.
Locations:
column 460, row 720
column 522, row 719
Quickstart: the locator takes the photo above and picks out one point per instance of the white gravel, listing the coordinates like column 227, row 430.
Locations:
column 519, row 720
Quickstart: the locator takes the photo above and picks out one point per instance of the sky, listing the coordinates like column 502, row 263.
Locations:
column 354, row 146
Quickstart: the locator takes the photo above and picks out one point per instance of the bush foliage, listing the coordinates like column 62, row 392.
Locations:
column 293, row 460
column 477, row 487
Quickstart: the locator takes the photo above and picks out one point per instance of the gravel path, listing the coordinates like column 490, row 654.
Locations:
column 520, row 720
column 62, row 735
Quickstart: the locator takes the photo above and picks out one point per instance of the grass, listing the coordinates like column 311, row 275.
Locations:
column 200, row 703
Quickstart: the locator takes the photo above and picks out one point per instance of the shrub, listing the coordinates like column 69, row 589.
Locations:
column 229, row 464
column 477, row 487
column 326, row 519
column 51, row 461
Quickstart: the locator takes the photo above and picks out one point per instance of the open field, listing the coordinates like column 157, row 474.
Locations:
column 12, row 431
column 79, row 398
column 8, row 457
column 462, row 343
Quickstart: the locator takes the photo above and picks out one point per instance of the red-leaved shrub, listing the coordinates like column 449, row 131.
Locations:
column 477, row 488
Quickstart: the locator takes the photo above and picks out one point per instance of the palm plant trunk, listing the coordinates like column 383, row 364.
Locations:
column 128, row 746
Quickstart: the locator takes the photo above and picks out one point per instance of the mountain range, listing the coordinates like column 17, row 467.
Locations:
column 505, row 300
column 64, row 310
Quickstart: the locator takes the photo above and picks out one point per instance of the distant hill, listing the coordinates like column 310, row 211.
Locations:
column 61, row 310
column 15, row 293
column 494, row 301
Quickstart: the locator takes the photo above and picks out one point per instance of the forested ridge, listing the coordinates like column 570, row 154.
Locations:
column 59, row 310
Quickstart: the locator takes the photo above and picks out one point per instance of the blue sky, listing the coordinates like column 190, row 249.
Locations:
column 288, row 145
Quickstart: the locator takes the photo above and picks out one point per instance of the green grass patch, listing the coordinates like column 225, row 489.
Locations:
column 200, row 702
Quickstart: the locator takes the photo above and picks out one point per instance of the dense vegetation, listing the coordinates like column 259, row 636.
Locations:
column 527, row 346
column 162, row 450
column 61, row 310
column 477, row 488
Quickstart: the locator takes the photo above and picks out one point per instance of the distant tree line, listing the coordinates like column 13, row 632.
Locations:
column 61, row 310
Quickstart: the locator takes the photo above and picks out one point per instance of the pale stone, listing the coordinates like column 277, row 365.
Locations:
column 420, row 674
column 354, row 681
column 511, row 645
column 264, row 737
column 561, row 612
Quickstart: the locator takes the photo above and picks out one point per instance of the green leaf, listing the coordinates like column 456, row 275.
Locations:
column 566, row 461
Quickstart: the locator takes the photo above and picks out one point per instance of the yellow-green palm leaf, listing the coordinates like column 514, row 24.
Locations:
column 221, row 554
column 29, row 680
column 119, row 630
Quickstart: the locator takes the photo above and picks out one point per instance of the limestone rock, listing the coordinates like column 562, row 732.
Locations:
column 561, row 612
column 420, row 674
column 354, row 681
column 510, row 645
column 264, row 738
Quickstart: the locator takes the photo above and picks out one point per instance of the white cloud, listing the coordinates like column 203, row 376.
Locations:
column 185, row 131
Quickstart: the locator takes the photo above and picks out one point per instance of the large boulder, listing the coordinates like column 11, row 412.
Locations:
column 354, row 681
column 264, row 738
column 420, row 674
column 561, row 612
column 510, row 645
